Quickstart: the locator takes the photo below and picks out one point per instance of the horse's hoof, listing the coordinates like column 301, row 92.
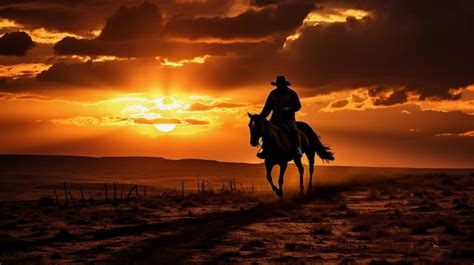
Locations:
column 310, row 189
column 301, row 189
column 279, row 193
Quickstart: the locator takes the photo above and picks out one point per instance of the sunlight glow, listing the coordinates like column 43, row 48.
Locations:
column 339, row 15
column 165, row 127
column 198, row 60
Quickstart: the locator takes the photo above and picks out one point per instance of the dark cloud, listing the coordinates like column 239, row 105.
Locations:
column 251, row 24
column 89, row 73
column 150, row 48
column 81, row 17
column 67, row 16
column 130, row 23
column 396, row 96
column 135, row 32
column 208, row 8
column 15, row 43
column 420, row 47
column 262, row 2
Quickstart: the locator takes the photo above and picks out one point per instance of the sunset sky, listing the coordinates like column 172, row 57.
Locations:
column 384, row 82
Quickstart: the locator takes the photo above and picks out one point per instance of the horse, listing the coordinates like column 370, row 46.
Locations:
column 278, row 148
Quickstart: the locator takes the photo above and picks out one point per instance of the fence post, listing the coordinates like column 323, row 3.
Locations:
column 182, row 189
column 115, row 190
column 56, row 196
column 65, row 192
column 106, row 192
column 82, row 196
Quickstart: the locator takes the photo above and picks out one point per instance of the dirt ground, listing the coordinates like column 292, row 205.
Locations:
column 406, row 220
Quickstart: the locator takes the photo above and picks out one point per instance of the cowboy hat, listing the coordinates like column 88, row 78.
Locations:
column 281, row 81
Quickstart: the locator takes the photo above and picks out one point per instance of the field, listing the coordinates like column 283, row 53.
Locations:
column 354, row 216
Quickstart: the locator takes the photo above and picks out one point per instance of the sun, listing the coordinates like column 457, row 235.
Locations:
column 167, row 127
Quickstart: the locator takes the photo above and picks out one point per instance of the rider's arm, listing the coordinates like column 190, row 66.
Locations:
column 295, row 103
column 268, row 106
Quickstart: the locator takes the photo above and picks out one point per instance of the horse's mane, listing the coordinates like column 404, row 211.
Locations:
column 272, row 130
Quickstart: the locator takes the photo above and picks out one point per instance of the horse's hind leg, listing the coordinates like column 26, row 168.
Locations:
column 300, row 167
column 310, row 156
column 268, row 168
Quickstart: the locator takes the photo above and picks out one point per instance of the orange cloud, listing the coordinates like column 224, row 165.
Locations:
column 156, row 121
column 196, row 122
column 464, row 134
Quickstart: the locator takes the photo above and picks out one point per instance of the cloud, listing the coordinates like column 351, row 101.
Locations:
column 88, row 74
column 137, row 31
column 86, row 121
column 196, row 122
column 15, row 43
column 339, row 104
column 263, row 2
column 157, row 121
column 82, row 17
column 395, row 96
column 285, row 17
column 79, row 17
column 143, row 21
column 22, row 70
column 463, row 134
column 157, row 47
column 396, row 54
column 153, row 121
column 424, row 50
column 198, row 106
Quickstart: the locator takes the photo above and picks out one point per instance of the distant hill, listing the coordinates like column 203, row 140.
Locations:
column 25, row 177
column 160, row 167
column 121, row 166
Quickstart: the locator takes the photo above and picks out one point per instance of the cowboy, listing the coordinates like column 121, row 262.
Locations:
column 283, row 102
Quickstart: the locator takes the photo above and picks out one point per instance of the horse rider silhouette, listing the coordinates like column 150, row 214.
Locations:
column 283, row 103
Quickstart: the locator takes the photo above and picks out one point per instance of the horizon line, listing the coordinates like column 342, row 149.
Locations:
column 233, row 162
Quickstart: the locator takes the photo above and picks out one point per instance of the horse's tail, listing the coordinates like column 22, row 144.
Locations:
column 323, row 151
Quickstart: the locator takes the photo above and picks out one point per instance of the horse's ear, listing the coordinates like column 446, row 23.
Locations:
column 250, row 115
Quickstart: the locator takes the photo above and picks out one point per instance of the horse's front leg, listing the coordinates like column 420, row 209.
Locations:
column 268, row 168
column 283, row 167
column 300, row 167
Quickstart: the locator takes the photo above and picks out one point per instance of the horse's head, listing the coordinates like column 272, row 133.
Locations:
column 256, row 128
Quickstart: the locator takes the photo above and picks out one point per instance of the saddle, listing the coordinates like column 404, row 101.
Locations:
column 282, row 125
